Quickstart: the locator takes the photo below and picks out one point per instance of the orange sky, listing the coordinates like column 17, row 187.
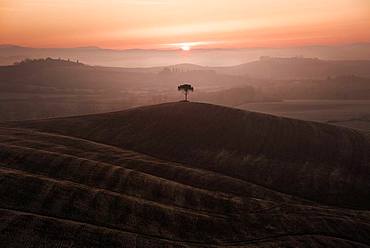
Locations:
column 166, row 23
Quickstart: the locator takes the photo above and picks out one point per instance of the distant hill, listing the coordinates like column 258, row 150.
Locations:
column 62, row 74
column 298, row 68
column 183, row 175
column 52, row 87
column 59, row 73
column 279, row 68
column 49, row 87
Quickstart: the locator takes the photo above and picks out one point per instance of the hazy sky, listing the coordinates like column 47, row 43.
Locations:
column 167, row 23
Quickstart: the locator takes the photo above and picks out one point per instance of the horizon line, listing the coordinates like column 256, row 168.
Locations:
column 179, row 49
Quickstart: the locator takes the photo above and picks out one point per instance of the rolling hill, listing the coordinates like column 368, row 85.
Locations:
column 183, row 175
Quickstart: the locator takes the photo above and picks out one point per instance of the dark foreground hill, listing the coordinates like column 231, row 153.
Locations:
column 183, row 175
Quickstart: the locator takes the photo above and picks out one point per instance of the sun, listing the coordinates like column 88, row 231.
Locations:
column 185, row 47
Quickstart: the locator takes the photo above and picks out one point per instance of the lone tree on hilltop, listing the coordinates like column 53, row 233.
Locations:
column 185, row 88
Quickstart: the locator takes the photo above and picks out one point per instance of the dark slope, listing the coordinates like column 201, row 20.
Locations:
column 59, row 191
column 320, row 162
column 78, row 183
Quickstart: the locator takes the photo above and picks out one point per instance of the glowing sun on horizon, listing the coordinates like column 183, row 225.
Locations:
column 185, row 47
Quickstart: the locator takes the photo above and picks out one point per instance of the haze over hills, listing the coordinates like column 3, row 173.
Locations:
column 299, row 68
column 49, row 87
column 206, row 57
column 183, row 175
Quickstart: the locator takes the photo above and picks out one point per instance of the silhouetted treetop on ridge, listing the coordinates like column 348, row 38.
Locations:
column 48, row 62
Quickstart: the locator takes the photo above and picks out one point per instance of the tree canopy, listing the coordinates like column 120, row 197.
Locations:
column 186, row 88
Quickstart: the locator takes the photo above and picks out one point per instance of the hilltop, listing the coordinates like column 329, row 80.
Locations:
column 183, row 175
column 240, row 144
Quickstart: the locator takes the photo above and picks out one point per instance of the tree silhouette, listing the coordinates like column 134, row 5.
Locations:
column 185, row 88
